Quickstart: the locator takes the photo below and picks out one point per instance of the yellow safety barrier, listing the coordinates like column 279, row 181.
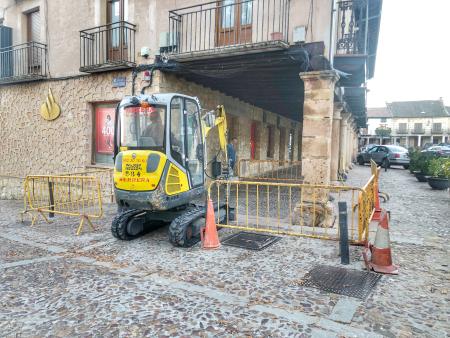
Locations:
column 78, row 196
column 105, row 177
column 270, row 170
column 307, row 210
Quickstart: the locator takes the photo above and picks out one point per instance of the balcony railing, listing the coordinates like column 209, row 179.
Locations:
column 224, row 25
column 417, row 131
column 107, row 47
column 437, row 131
column 402, row 131
column 24, row 62
column 352, row 28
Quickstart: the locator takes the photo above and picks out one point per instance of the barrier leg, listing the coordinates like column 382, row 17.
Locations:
column 36, row 215
column 90, row 223
column 80, row 227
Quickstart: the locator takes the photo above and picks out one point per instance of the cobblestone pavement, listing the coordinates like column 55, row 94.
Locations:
column 53, row 283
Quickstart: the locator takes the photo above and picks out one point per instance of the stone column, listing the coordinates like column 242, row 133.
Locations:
column 343, row 142
column 350, row 144
column 419, row 141
column 317, row 125
column 335, row 140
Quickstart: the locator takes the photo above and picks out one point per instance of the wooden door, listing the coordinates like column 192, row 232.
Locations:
column 282, row 146
column 234, row 22
column 253, row 131
column 117, row 37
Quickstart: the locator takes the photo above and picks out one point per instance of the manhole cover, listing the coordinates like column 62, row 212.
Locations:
column 342, row 281
column 250, row 240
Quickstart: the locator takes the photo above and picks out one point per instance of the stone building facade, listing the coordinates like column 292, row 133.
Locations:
column 280, row 92
column 412, row 123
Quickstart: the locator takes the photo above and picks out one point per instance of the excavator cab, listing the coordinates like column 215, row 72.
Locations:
column 159, row 165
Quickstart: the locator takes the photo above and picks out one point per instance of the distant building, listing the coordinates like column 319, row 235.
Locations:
column 412, row 123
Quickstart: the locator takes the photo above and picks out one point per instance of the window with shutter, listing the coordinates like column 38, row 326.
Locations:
column 34, row 26
column 6, row 59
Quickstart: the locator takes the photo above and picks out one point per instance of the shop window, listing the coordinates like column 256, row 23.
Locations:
column 103, row 149
column 270, row 141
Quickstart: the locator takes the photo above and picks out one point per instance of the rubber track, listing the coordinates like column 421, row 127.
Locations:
column 178, row 226
column 119, row 225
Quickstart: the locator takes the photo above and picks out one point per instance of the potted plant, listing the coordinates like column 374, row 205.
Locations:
column 422, row 167
column 414, row 155
column 440, row 173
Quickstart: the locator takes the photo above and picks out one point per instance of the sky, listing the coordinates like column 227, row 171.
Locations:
column 413, row 57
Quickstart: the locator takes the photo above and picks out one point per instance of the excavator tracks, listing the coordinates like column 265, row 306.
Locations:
column 182, row 232
column 120, row 224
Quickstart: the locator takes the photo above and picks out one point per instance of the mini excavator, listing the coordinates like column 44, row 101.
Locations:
column 160, row 165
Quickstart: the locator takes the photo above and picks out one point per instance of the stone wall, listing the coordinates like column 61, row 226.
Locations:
column 31, row 144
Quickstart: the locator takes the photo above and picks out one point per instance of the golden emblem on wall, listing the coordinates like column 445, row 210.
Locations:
column 50, row 109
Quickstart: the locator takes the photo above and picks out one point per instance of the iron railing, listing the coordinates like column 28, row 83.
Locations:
column 402, row 131
column 352, row 27
column 437, row 130
column 418, row 131
column 24, row 62
column 106, row 47
column 224, row 25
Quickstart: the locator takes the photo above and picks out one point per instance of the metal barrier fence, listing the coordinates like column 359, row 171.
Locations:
column 65, row 195
column 105, row 177
column 307, row 210
column 270, row 170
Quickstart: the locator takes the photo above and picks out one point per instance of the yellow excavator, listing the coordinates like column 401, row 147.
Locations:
column 160, row 165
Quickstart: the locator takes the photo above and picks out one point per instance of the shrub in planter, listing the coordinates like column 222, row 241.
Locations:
column 422, row 166
column 414, row 155
column 440, row 173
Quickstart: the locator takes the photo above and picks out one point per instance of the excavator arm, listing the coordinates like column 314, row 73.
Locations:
column 217, row 119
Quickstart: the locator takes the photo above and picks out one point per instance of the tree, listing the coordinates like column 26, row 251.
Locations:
column 383, row 131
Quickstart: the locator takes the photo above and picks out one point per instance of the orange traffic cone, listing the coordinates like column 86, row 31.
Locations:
column 377, row 214
column 380, row 253
column 208, row 234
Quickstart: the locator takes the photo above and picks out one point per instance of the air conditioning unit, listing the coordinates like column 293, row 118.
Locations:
column 299, row 34
column 167, row 41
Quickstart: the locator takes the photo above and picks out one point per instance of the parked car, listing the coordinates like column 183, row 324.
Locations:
column 385, row 155
column 438, row 151
column 427, row 145
column 367, row 147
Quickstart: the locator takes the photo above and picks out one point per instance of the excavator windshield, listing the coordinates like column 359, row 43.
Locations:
column 142, row 127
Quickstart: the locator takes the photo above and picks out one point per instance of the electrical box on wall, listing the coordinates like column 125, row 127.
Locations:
column 145, row 52
column 299, row 34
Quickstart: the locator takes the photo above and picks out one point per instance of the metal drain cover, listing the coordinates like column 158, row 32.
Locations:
column 250, row 240
column 342, row 281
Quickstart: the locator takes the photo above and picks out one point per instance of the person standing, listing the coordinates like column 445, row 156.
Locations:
column 231, row 150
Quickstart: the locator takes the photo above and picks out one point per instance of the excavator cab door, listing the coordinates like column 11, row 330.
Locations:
column 186, row 141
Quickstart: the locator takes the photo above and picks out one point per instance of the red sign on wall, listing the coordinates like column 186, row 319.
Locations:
column 104, row 121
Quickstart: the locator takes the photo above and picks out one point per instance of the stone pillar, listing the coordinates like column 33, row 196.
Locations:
column 419, row 141
column 343, row 142
column 317, row 125
column 335, row 140
column 350, row 144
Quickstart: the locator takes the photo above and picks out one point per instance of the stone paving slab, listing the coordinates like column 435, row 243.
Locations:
column 11, row 253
